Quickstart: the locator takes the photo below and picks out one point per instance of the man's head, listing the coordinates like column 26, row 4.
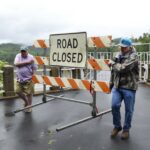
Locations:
column 125, row 44
column 24, row 51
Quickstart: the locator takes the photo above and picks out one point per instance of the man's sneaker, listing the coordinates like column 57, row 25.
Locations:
column 115, row 132
column 25, row 105
column 125, row 135
column 29, row 110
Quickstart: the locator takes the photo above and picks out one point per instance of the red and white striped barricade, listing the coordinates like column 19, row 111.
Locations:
column 94, row 64
column 72, row 83
column 41, row 43
column 99, row 42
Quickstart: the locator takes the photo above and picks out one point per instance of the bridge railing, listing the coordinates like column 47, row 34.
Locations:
column 144, row 58
column 8, row 79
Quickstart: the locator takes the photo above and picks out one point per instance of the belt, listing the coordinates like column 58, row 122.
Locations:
column 25, row 82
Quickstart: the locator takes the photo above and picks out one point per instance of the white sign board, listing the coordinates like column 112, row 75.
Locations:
column 68, row 49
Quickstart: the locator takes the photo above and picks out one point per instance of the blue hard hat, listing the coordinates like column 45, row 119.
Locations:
column 23, row 48
column 125, row 42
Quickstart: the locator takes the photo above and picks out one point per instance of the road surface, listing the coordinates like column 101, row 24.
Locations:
column 37, row 131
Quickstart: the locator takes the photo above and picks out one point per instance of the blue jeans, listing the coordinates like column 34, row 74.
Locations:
column 118, row 95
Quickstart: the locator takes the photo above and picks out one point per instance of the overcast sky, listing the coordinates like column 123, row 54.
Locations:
column 24, row 21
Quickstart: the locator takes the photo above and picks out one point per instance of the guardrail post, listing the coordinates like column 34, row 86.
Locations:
column 76, row 73
column 8, row 80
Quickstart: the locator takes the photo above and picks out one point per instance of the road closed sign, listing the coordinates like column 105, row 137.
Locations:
column 68, row 49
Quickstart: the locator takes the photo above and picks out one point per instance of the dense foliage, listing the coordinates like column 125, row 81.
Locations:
column 143, row 42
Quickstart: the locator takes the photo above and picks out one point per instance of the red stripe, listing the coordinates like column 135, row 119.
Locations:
column 94, row 64
column 39, row 60
column 34, row 79
column 86, row 84
column 98, row 42
column 103, row 86
column 73, row 83
column 59, row 81
column 106, row 61
column 42, row 43
column 47, row 80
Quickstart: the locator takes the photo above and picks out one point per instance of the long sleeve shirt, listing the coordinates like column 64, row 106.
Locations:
column 125, row 71
column 25, row 72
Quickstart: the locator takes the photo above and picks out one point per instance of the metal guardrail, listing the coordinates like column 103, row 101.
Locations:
column 38, row 87
column 144, row 59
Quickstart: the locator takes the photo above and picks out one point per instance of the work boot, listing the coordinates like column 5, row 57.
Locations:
column 115, row 132
column 125, row 135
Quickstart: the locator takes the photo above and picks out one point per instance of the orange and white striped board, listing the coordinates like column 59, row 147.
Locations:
column 38, row 79
column 41, row 43
column 72, row 83
column 93, row 64
column 100, row 42
column 39, row 60
column 98, row 64
column 102, row 86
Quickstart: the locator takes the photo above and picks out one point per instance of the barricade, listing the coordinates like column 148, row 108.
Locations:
column 92, row 86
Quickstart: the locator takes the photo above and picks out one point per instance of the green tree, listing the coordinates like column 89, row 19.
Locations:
column 145, row 42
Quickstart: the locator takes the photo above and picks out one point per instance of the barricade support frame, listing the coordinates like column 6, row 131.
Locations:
column 94, row 112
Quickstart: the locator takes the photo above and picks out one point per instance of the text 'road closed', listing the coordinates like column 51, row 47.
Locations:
column 70, row 43
column 68, row 49
column 67, row 57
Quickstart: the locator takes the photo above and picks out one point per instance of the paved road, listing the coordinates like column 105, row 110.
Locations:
column 36, row 131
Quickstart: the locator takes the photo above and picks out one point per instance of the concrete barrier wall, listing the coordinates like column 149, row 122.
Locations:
column 8, row 80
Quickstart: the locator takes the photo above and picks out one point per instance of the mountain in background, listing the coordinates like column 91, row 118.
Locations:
column 8, row 51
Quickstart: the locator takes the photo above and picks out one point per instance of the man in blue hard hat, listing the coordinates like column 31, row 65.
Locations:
column 25, row 68
column 124, row 83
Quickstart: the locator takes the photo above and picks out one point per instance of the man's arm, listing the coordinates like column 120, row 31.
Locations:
column 129, row 64
column 23, row 63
